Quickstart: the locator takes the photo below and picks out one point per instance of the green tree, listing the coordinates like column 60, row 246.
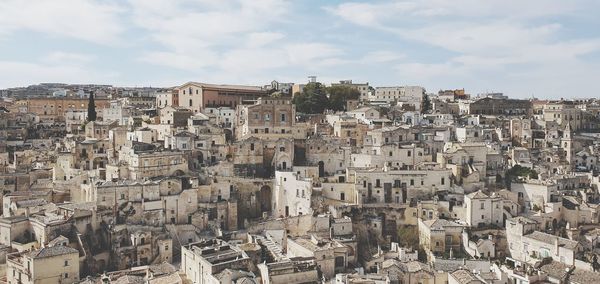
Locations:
column 426, row 104
column 339, row 95
column 91, row 113
column 518, row 171
column 408, row 236
column 312, row 99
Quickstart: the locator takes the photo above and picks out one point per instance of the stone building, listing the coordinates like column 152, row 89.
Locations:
column 483, row 209
column 398, row 186
column 58, row 106
column 501, row 106
column 266, row 118
column 201, row 261
column 440, row 236
column 149, row 164
column 291, row 194
column 176, row 116
column 54, row 264
column 197, row 96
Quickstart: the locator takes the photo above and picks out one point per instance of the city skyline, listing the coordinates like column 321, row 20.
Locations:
column 546, row 49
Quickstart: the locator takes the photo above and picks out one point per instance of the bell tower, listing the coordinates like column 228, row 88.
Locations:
column 567, row 142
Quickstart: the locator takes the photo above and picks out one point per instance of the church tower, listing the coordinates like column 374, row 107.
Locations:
column 567, row 142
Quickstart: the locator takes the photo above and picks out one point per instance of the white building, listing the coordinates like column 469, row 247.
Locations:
column 482, row 209
column 75, row 118
column 365, row 114
column 291, row 196
column 403, row 95
column 117, row 111
column 225, row 116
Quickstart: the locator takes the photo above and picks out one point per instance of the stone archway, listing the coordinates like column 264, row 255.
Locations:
column 264, row 198
column 321, row 169
column 228, row 135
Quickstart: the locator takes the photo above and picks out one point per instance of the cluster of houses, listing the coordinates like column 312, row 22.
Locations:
column 206, row 183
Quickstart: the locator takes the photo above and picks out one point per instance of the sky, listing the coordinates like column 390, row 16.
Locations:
column 541, row 48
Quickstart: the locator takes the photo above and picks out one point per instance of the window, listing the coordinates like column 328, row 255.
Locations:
column 66, row 263
column 282, row 117
column 252, row 147
column 190, row 102
column 167, row 247
column 412, row 182
column 408, row 153
column 66, row 275
column 443, row 181
column 482, row 205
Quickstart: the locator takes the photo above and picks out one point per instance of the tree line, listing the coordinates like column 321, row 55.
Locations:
column 316, row 98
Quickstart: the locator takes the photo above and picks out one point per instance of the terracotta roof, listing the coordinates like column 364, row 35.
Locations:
column 580, row 276
column 477, row 195
column 52, row 251
column 550, row 239
column 439, row 224
column 464, row 276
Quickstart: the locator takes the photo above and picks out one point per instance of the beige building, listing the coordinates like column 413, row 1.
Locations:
column 201, row 261
column 56, row 264
column 330, row 256
column 532, row 246
column 197, row 96
column 152, row 164
column 292, row 272
column 439, row 236
column 398, row 186
column 267, row 118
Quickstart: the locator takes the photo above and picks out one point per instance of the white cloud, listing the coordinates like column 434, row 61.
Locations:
column 231, row 38
column 494, row 38
column 67, row 58
column 382, row 56
column 89, row 20
column 259, row 39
